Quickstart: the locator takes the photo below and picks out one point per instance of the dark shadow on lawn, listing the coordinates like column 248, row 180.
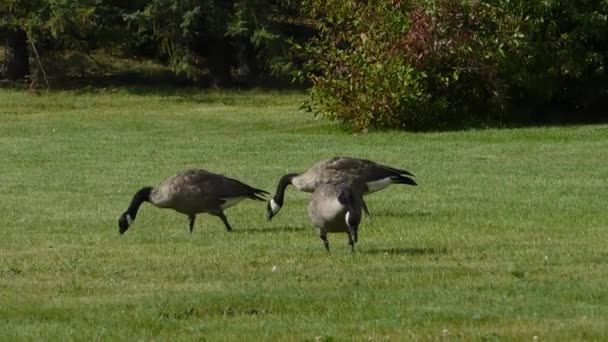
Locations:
column 397, row 213
column 159, row 83
column 413, row 251
column 553, row 116
column 271, row 230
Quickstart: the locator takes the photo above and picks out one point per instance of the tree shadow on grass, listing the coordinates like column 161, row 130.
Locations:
column 271, row 230
column 412, row 251
column 94, row 70
column 397, row 213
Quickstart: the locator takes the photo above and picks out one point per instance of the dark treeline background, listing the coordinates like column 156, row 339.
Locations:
column 427, row 64
column 219, row 40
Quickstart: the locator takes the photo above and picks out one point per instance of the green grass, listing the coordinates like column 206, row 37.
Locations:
column 505, row 238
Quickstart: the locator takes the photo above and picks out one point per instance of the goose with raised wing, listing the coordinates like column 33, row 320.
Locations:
column 374, row 176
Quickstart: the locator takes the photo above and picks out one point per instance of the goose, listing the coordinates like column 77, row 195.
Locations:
column 336, row 207
column 192, row 192
column 375, row 177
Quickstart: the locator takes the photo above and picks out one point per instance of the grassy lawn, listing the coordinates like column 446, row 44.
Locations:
column 504, row 238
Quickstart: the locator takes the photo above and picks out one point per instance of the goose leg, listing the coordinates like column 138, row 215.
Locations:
column 351, row 243
column 223, row 218
column 191, row 222
column 351, row 231
column 325, row 242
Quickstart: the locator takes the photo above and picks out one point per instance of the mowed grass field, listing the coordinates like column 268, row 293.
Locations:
column 503, row 239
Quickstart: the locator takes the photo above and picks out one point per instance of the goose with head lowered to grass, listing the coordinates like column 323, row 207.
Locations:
column 192, row 192
column 336, row 207
column 373, row 176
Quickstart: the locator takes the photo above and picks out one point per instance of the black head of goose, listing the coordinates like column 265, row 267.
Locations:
column 192, row 192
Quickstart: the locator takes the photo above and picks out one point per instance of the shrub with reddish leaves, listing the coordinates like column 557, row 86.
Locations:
column 437, row 63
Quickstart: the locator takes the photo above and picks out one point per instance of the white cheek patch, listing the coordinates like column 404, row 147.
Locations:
column 129, row 219
column 274, row 206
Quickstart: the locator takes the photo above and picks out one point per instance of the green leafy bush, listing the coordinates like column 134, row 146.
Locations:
column 68, row 22
column 436, row 63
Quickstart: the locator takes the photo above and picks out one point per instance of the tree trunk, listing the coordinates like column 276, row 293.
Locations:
column 251, row 59
column 220, row 62
column 17, row 63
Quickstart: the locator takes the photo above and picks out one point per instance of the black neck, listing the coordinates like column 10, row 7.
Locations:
column 143, row 195
column 353, row 202
column 283, row 183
